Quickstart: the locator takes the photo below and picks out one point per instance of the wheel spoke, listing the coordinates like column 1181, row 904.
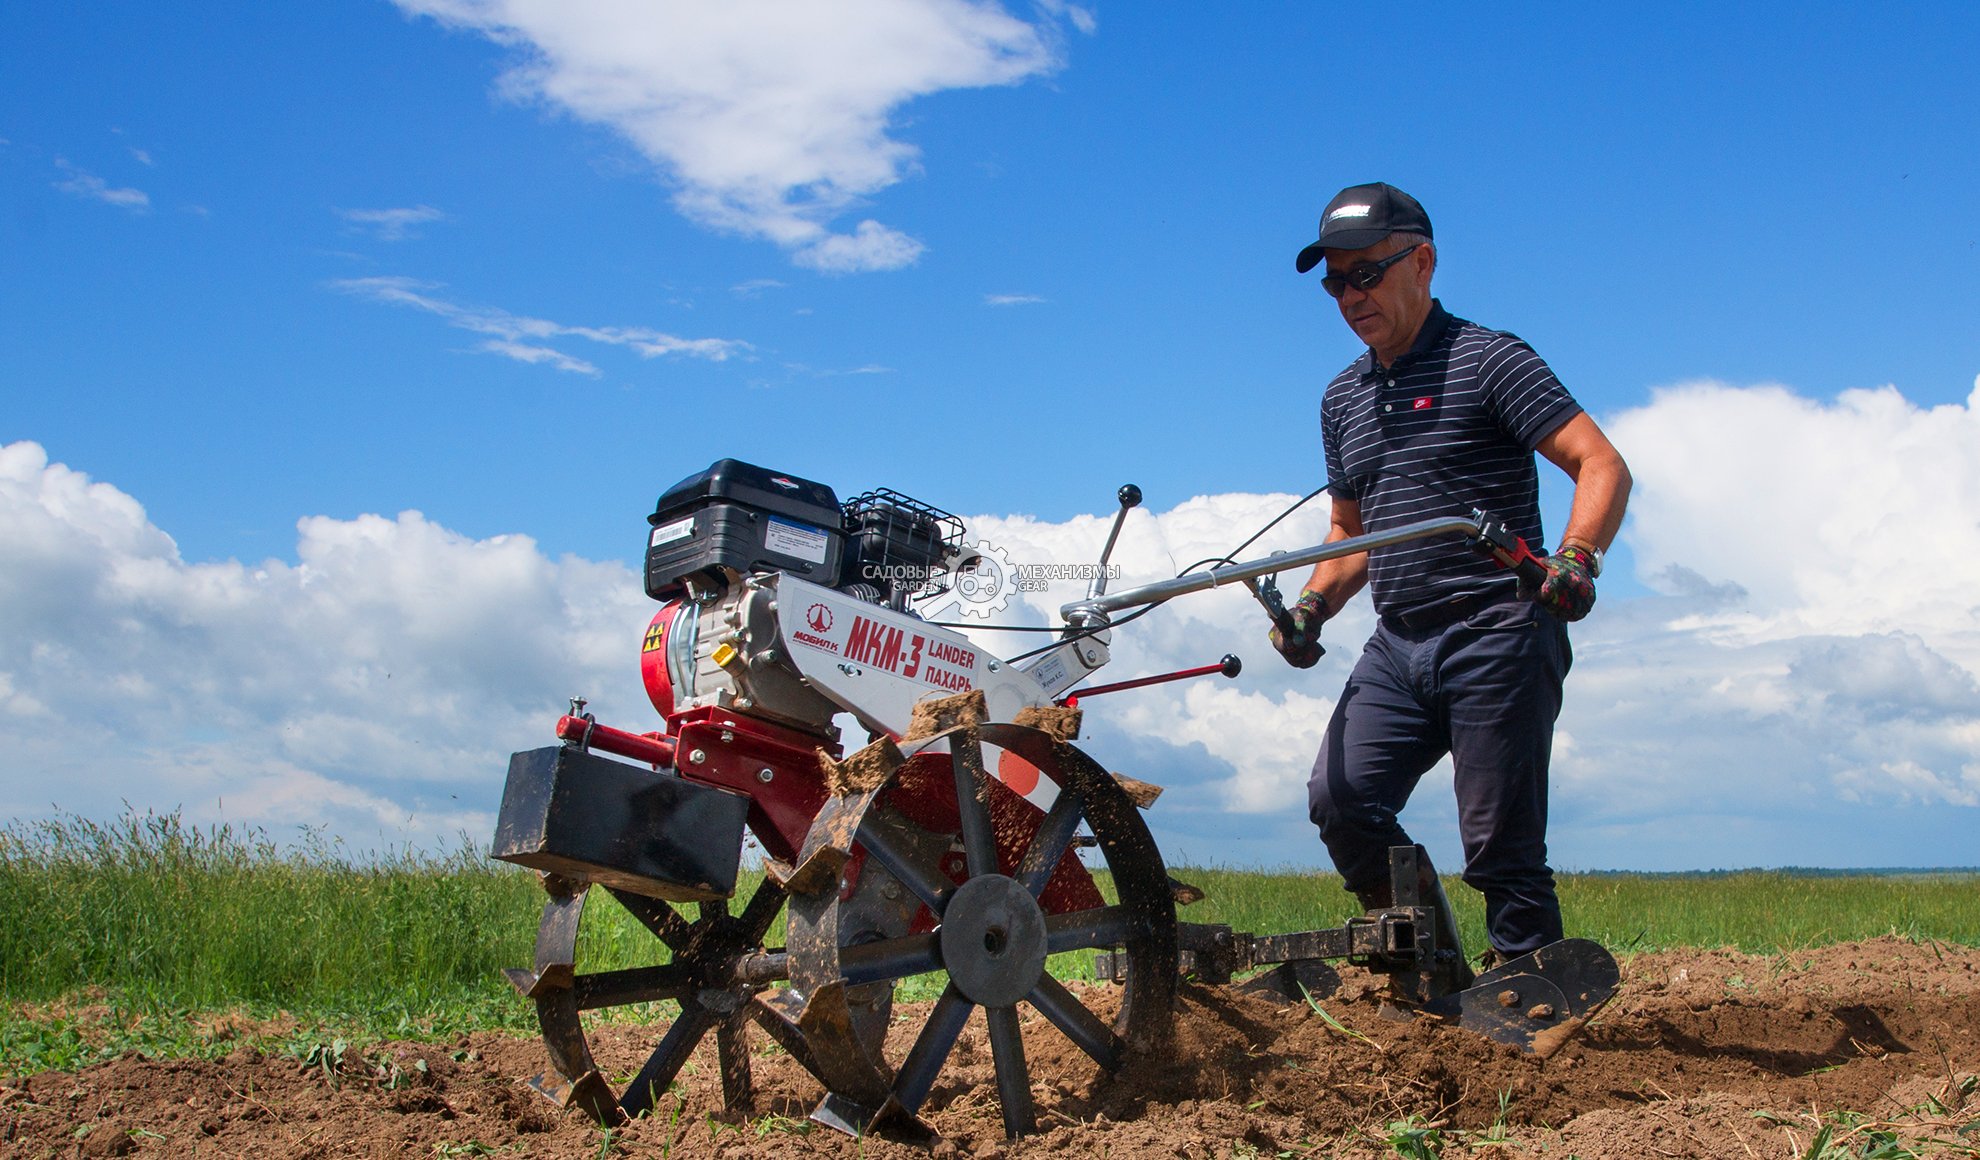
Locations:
column 636, row 985
column 928, row 883
column 1049, row 845
column 762, row 910
column 894, row 958
column 1081, row 1026
column 1103, row 926
column 666, row 924
column 666, row 1060
column 931, row 1048
column 972, row 803
column 1013, row 1077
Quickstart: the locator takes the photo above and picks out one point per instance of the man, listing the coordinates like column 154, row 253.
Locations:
column 1439, row 417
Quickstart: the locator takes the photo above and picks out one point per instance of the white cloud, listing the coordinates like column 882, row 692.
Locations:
column 523, row 339
column 870, row 247
column 1853, row 516
column 376, row 686
column 1012, row 299
column 391, row 225
column 84, row 184
column 769, row 118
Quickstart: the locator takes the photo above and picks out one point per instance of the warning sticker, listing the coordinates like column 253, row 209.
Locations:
column 800, row 541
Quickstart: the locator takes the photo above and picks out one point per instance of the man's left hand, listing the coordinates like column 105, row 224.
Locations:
column 1568, row 590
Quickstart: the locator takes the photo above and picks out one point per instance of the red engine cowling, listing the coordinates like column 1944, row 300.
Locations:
column 653, row 657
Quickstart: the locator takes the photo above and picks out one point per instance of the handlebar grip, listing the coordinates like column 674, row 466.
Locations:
column 1531, row 570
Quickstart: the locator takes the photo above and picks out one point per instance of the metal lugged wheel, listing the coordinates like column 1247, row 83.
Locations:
column 998, row 916
column 716, row 972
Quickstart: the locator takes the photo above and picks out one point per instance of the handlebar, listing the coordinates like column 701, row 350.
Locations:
column 1477, row 526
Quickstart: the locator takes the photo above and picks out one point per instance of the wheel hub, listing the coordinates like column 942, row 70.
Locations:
column 993, row 940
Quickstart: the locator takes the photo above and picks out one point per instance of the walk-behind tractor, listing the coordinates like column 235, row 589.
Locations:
column 958, row 841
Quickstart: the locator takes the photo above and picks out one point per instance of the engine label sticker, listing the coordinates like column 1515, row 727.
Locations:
column 799, row 541
column 668, row 533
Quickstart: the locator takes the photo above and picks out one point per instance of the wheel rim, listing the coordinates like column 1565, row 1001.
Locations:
column 994, row 949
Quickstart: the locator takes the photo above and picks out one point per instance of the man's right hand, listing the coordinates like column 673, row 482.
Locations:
column 1298, row 637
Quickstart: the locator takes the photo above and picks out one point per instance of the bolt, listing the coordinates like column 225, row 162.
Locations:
column 727, row 737
column 696, row 757
column 1541, row 1011
column 1508, row 998
column 765, row 774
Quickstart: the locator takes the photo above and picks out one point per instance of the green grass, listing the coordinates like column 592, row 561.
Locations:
column 132, row 934
column 1757, row 911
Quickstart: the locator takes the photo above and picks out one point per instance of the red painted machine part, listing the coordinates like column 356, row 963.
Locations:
column 719, row 747
column 653, row 658
column 653, row 748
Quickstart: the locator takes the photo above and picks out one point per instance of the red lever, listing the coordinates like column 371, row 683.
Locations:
column 1498, row 541
column 1230, row 666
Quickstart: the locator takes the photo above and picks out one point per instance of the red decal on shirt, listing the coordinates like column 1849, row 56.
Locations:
column 1422, row 403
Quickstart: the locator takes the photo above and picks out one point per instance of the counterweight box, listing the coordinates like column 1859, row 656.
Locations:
column 572, row 812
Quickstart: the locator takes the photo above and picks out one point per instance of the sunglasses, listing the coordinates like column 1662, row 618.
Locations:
column 1365, row 276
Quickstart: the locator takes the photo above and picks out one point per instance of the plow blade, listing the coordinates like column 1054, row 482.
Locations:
column 1536, row 1001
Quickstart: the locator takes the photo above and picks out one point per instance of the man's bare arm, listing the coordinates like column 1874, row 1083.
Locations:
column 1601, row 480
column 1338, row 580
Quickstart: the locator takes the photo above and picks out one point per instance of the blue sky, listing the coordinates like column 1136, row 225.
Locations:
column 518, row 266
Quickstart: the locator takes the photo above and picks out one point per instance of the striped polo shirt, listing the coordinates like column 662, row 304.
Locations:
column 1450, row 427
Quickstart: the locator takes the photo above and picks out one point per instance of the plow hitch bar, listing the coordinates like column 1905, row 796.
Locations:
column 1414, row 941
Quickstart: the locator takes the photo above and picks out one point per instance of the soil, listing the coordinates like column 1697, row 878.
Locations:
column 1700, row 1054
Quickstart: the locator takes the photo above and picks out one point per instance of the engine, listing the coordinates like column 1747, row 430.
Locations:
column 787, row 605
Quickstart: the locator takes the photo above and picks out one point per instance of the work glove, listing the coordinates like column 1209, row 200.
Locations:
column 1298, row 639
column 1568, row 589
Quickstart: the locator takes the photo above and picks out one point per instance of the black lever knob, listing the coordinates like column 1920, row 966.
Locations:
column 1129, row 495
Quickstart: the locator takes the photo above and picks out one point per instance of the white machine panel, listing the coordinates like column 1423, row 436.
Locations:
column 878, row 664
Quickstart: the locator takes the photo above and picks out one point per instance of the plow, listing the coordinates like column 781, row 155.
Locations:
column 968, row 839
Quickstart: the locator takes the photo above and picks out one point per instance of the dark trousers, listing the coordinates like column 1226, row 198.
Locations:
column 1486, row 690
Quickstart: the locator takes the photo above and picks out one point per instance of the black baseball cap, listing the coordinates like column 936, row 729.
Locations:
column 1361, row 215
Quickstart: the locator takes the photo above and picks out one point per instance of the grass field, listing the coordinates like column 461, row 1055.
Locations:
column 144, row 932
